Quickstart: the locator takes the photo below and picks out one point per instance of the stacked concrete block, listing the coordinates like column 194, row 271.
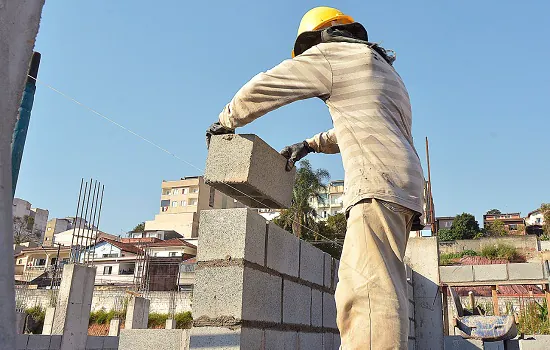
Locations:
column 249, row 170
column 525, row 271
column 463, row 273
column 72, row 312
column 492, row 272
column 137, row 313
column 114, row 327
column 258, row 286
column 151, row 339
column 48, row 321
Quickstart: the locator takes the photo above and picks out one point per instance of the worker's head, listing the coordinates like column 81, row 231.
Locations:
column 320, row 18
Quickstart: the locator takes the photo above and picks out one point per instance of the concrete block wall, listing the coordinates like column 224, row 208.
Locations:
column 53, row 342
column 258, row 284
column 492, row 272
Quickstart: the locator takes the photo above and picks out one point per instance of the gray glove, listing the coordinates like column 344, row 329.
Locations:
column 216, row 129
column 295, row 152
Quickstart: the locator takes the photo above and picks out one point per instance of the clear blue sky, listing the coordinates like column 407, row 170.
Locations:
column 476, row 73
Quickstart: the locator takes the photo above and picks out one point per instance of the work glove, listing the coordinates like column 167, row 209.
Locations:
column 295, row 152
column 216, row 129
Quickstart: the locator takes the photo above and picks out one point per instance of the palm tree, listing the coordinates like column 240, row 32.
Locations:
column 309, row 184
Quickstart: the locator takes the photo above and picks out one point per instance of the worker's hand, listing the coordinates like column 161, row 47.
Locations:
column 295, row 152
column 216, row 129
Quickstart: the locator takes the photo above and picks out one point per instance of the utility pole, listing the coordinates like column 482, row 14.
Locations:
column 22, row 123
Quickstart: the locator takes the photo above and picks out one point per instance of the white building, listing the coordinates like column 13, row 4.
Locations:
column 115, row 261
column 82, row 236
column 330, row 202
column 535, row 217
column 22, row 208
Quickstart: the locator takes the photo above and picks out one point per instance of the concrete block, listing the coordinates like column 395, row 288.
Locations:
column 535, row 342
column 411, row 345
column 496, row 345
column 327, row 279
column 279, row 340
column 137, row 313
column 48, row 320
column 456, row 342
column 38, row 342
column 463, row 273
column 296, row 303
column 110, row 342
column 310, row 341
column 492, row 272
column 328, row 341
column 335, row 274
column 55, row 342
column 283, row 251
column 316, row 308
column 337, row 341
column 94, row 343
column 170, row 324
column 21, row 341
column 411, row 310
column 232, row 233
column 329, row 311
column 243, row 293
column 311, row 263
column 244, row 166
column 410, row 291
column 218, row 338
column 20, row 318
column 149, row 339
column 114, row 327
column 525, row 271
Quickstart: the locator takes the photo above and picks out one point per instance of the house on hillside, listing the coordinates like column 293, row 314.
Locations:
column 32, row 262
column 513, row 222
column 533, row 222
column 444, row 222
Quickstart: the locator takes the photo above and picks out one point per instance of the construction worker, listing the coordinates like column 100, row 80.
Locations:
column 383, row 195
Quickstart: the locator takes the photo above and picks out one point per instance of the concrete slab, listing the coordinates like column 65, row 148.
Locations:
column 20, row 318
column 149, row 339
column 456, row 342
column 316, row 308
column 296, row 303
column 110, row 342
column 312, row 262
column 232, row 233
column 244, row 166
column 275, row 340
column 114, row 327
column 48, row 320
column 492, row 272
column 310, row 341
column 329, row 311
column 21, row 341
column 525, row 271
column 283, row 251
column 496, row 345
column 535, row 342
column 137, row 313
column 214, row 338
column 95, row 343
column 463, row 273
column 38, row 342
column 55, row 342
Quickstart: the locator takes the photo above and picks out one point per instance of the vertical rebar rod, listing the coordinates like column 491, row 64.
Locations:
column 93, row 222
column 78, row 219
column 97, row 225
column 77, row 207
column 85, row 219
column 87, row 237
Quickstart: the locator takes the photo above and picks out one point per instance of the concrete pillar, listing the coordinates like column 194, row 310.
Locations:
column 422, row 256
column 19, row 22
column 114, row 327
column 20, row 318
column 170, row 324
column 73, row 306
column 48, row 320
column 137, row 313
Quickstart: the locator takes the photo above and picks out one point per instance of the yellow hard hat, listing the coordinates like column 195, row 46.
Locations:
column 320, row 18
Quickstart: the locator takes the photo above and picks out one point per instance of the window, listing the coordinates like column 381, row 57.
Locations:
column 537, row 221
column 47, row 238
column 513, row 227
column 155, row 254
column 49, row 228
column 324, row 214
column 107, row 270
column 195, row 190
column 175, row 191
column 212, row 196
column 54, row 261
column 193, row 201
column 174, row 204
column 111, row 255
column 173, row 254
column 20, row 261
column 41, row 262
column 166, row 191
column 183, row 203
column 185, row 190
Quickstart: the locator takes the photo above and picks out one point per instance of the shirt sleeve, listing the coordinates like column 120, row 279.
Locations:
column 307, row 75
column 324, row 142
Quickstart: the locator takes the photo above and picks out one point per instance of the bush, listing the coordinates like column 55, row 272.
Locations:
column 449, row 258
column 445, row 234
column 35, row 320
column 184, row 320
column 533, row 318
column 157, row 320
column 501, row 251
column 104, row 317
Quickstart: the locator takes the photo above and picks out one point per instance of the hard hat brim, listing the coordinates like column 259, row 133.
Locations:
column 308, row 39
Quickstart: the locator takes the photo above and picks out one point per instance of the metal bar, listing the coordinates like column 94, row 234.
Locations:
column 93, row 220
column 22, row 124
column 78, row 219
column 76, row 215
column 97, row 225
column 85, row 219
column 87, row 237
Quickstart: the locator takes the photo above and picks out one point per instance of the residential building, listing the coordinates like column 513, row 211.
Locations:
column 33, row 262
column 513, row 222
column 115, row 261
column 534, row 221
column 55, row 226
column 444, row 222
column 23, row 208
column 82, row 236
column 161, row 235
column 181, row 202
column 330, row 202
column 172, row 248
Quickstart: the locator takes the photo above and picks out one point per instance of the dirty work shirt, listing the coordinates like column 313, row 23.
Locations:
column 371, row 114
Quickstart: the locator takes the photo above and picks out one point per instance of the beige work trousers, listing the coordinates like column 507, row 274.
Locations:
column 371, row 295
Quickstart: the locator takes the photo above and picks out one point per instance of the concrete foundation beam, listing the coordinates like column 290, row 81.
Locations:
column 150, row 339
column 114, row 327
column 20, row 318
column 217, row 338
column 493, row 272
column 48, row 321
column 137, row 313
column 244, row 166
column 170, row 324
column 456, row 273
column 525, row 271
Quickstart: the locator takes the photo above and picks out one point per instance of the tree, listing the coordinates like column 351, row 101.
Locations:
column 338, row 224
column 496, row 228
column 545, row 210
column 23, row 229
column 139, row 227
column 465, row 226
column 494, row 212
column 300, row 217
column 445, row 235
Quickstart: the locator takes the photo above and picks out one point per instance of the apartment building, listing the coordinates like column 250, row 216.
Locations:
column 58, row 225
column 513, row 222
column 330, row 202
column 181, row 202
column 23, row 208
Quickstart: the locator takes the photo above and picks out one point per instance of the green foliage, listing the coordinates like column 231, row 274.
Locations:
column 35, row 320
column 545, row 209
column 465, row 226
column 450, row 258
column 139, row 227
column 338, row 224
column 445, row 234
column 103, row 317
column 533, row 318
column 157, row 320
column 494, row 212
column 496, row 228
column 501, row 251
column 184, row 320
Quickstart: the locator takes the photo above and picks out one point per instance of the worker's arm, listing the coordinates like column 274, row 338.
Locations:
column 324, row 142
column 307, row 75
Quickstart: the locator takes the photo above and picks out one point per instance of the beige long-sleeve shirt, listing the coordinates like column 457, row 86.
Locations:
column 371, row 114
